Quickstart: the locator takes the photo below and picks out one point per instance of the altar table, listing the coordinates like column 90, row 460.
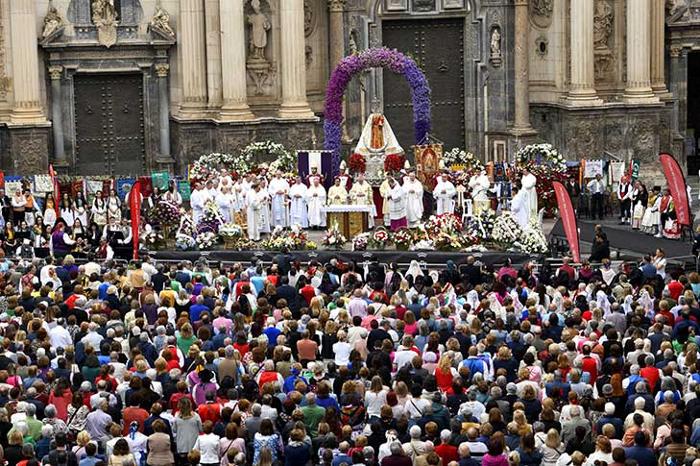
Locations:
column 351, row 219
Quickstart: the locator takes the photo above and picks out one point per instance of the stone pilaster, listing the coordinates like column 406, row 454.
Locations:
column 193, row 63
column 25, row 64
column 212, row 24
column 294, row 103
column 336, row 31
column 582, row 91
column 521, row 124
column 658, row 25
column 59, row 146
column 638, row 88
column 233, row 64
column 164, row 158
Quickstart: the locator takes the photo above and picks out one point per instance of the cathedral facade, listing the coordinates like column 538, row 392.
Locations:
column 125, row 87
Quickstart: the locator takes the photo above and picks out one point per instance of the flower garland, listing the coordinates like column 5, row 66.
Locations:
column 283, row 159
column 215, row 164
column 463, row 159
column 382, row 57
column 538, row 154
column 506, row 230
column 548, row 165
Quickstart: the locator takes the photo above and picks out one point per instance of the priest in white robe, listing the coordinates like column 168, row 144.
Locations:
column 361, row 194
column 265, row 216
column 337, row 195
column 529, row 183
column 297, row 204
column 198, row 200
column 384, row 190
column 520, row 208
column 316, row 200
column 254, row 201
column 480, row 185
column 444, row 194
column 397, row 205
column 225, row 202
column 279, row 188
column 414, row 199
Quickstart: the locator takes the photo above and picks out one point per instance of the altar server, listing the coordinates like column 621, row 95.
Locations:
column 198, row 199
column 529, row 185
column 315, row 200
column 397, row 205
column 254, row 201
column 337, row 195
column 414, row 199
column 265, row 217
column 279, row 188
column 384, row 190
column 297, row 204
column 520, row 208
column 444, row 194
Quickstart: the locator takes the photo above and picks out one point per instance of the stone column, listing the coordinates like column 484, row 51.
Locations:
column 582, row 91
column 59, row 146
column 658, row 25
column 233, row 65
column 520, row 59
column 638, row 88
column 294, row 103
column 193, row 63
column 25, row 64
column 212, row 24
column 678, row 83
column 336, row 32
column 164, row 156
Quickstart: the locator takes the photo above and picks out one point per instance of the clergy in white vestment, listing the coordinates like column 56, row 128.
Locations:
column 265, row 217
column 520, row 208
column 384, row 190
column 414, row 199
column 198, row 199
column 397, row 205
column 444, row 194
column 211, row 189
column 361, row 194
column 337, row 195
column 225, row 202
column 315, row 200
column 254, row 201
column 480, row 185
column 529, row 183
column 279, row 188
column 297, row 204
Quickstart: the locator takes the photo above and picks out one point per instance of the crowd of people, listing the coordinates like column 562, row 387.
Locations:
column 333, row 364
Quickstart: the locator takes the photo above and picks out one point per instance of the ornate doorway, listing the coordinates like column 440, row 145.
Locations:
column 437, row 46
column 109, row 124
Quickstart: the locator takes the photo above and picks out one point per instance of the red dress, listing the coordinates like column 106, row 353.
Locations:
column 443, row 379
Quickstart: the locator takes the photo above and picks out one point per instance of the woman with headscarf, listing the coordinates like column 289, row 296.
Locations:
column 451, row 274
column 413, row 271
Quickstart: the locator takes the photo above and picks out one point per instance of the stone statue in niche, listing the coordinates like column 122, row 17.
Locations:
column 602, row 25
column 53, row 24
column 160, row 23
column 496, row 55
column 104, row 17
column 259, row 25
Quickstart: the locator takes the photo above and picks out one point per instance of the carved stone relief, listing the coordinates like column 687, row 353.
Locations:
column 496, row 56
column 54, row 25
column 309, row 18
column 642, row 139
column 422, row 6
column 5, row 81
column 160, row 24
column 584, row 137
column 603, row 26
column 259, row 67
column 541, row 12
column 104, row 17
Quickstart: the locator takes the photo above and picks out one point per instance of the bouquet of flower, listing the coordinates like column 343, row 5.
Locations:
column 184, row 242
column 206, row 240
column 539, row 154
column 402, row 238
column 357, row 163
column 231, row 231
column 299, row 237
column 506, row 230
column 153, row 239
column 379, row 238
column 209, row 166
column 211, row 220
column 460, row 158
column 360, row 242
column 533, row 240
column 187, row 226
column 394, row 163
column 423, row 245
column 445, row 241
column 445, row 223
column 167, row 214
column 333, row 237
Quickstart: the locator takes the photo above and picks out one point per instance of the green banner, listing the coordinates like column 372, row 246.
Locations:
column 160, row 180
column 183, row 187
column 635, row 169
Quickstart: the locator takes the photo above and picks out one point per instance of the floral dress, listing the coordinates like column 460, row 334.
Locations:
column 273, row 442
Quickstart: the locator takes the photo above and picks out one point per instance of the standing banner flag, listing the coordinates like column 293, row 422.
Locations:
column 135, row 207
column 160, row 180
column 677, row 186
column 56, row 191
column 568, row 218
column 184, row 188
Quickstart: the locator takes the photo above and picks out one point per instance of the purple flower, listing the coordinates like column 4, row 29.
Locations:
column 383, row 57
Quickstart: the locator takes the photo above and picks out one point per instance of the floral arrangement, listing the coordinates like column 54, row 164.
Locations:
column 394, row 61
column 447, row 223
column 279, row 239
column 231, row 231
column 506, row 230
column 360, row 242
column 538, row 154
column 167, row 214
column 379, row 238
column 211, row 220
column 184, row 242
column 283, row 159
column 533, row 240
column 357, row 163
column 461, row 158
column 394, row 163
column 210, row 165
column 445, row 241
column 153, row 239
column 423, row 245
column 206, row 240
column 333, row 237
column 402, row 238
column 187, row 226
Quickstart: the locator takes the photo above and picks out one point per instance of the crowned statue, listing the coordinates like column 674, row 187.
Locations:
column 377, row 141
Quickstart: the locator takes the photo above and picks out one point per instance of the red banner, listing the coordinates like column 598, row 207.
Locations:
column 135, row 208
column 677, row 186
column 56, row 191
column 568, row 218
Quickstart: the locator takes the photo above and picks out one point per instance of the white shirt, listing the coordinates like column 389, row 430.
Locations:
column 60, row 337
column 208, row 446
column 342, row 351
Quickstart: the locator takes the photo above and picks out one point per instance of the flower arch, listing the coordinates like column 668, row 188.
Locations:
column 382, row 57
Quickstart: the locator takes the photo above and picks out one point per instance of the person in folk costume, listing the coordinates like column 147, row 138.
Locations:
column 624, row 194
column 444, row 194
column 80, row 208
column 384, row 190
column 279, row 189
column 25, row 252
column 61, row 243
column 520, row 207
column 114, row 205
column 49, row 211
column 225, row 202
column 315, row 200
column 172, row 195
column 99, row 210
column 31, row 207
column 265, row 226
column 113, row 232
column 298, row 214
column 574, row 190
column 254, row 202
column 66, row 210
column 414, row 199
column 651, row 219
column 361, row 194
column 397, row 205
column 94, row 235
column 668, row 226
column 198, row 200
column 78, row 233
column 19, row 205
column 337, row 195
column 6, row 204
column 640, row 198
column 104, row 251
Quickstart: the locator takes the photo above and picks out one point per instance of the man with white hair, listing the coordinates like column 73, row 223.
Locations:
column 415, row 446
column 639, row 403
column 568, row 430
column 397, row 457
column 59, row 335
column 92, row 338
column 610, row 418
column 445, row 451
